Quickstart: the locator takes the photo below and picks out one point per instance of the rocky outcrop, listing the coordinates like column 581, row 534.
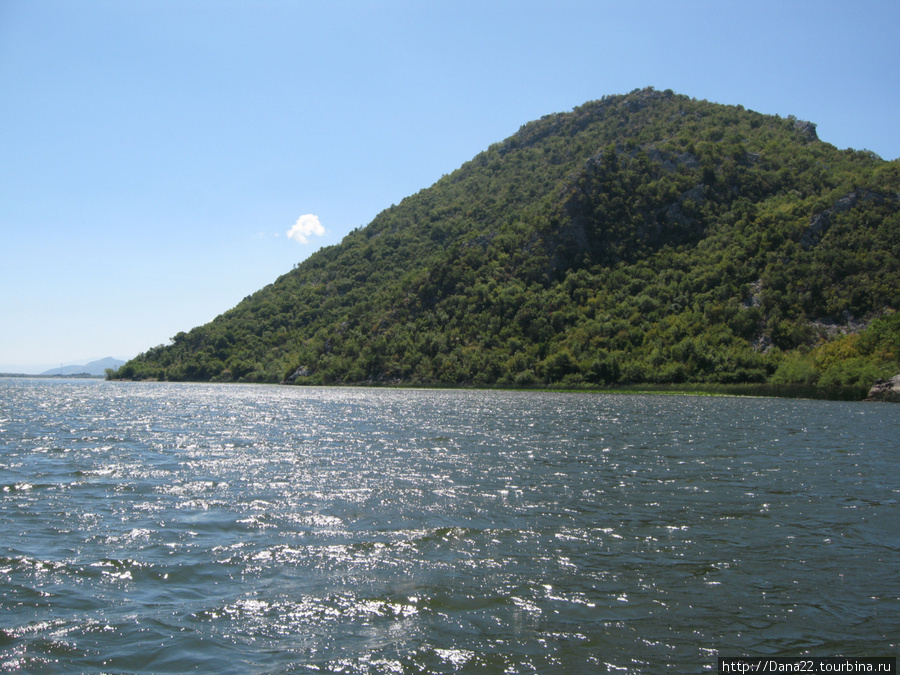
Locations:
column 819, row 224
column 885, row 390
column 302, row 371
column 806, row 129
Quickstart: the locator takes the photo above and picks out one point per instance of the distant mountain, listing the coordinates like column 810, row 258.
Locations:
column 644, row 238
column 93, row 368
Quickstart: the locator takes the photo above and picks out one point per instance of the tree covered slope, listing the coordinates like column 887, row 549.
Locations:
column 644, row 238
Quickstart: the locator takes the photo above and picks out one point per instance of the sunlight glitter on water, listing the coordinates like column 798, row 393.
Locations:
column 265, row 529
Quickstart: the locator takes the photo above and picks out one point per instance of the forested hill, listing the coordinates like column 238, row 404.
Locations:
column 644, row 238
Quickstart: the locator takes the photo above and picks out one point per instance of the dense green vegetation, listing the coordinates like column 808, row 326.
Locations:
column 645, row 238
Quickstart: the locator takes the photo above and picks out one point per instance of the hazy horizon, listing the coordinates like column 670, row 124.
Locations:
column 40, row 368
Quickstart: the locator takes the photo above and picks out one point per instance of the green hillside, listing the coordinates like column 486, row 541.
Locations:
column 648, row 238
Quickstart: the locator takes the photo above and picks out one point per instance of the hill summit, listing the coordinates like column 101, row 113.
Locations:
column 642, row 238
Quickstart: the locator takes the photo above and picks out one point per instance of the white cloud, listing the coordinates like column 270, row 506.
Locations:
column 306, row 227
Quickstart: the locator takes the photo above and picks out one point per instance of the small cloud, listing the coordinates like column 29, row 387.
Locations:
column 306, row 227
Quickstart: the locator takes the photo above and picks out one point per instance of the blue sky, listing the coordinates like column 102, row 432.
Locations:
column 156, row 153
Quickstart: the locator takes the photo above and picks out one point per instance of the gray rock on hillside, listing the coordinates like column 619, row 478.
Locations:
column 885, row 390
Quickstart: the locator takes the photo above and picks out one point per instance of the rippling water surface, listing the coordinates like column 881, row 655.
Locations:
column 154, row 528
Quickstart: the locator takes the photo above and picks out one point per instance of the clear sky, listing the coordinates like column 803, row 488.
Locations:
column 156, row 154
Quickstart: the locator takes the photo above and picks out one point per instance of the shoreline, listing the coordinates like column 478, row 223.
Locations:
column 76, row 376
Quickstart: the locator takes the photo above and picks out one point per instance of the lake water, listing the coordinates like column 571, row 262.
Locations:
column 170, row 528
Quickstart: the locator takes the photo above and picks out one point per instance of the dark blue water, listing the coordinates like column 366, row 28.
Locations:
column 161, row 528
